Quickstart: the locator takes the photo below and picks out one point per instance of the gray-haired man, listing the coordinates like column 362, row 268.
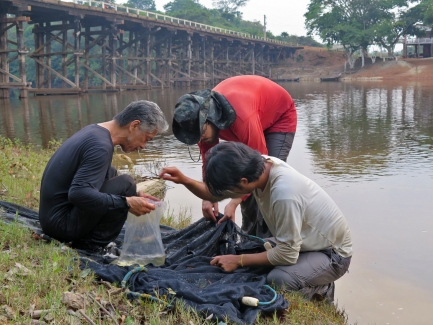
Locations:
column 82, row 199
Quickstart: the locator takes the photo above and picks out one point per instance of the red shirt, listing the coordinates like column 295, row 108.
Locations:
column 261, row 106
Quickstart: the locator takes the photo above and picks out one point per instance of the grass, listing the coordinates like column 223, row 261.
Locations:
column 34, row 275
column 21, row 168
column 181, row 220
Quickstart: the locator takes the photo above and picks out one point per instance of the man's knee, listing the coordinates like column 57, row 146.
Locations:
column 120, row 185
column 127, row 179
column 130, row 186
column 284, row 279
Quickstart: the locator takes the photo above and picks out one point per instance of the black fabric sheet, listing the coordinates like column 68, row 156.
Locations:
column 187, row 270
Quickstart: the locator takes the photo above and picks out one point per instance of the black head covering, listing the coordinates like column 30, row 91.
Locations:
column 194, row 109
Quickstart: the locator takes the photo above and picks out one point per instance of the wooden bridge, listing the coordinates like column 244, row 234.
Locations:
column 83, row 46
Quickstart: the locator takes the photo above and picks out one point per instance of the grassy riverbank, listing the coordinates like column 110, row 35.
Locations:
column 35, row 275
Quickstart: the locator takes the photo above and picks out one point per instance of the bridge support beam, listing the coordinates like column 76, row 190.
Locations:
column 83, row 48
column 12, row 53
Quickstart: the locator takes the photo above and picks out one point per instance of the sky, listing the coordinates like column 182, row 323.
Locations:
column 281, row 15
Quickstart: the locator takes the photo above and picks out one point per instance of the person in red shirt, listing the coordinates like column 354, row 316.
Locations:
column 249, row 109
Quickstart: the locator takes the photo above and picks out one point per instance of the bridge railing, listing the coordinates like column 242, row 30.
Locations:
column 110, row 7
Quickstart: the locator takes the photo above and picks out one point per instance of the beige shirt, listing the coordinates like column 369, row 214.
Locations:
column 300, row 215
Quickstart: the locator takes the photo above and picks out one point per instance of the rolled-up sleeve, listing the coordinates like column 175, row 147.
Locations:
column 287, row 219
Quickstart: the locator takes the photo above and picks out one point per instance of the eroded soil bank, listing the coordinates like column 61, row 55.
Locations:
column 313, row 63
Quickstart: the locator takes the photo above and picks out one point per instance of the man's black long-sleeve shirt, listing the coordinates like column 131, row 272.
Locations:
column 75, row 174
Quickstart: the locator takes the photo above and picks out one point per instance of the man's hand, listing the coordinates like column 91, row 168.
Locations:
column 230, row 210
column 197, row 188
column 228, row 263
column 139, row 205
column 210, row 210
column 172, row 174
column 147, row 196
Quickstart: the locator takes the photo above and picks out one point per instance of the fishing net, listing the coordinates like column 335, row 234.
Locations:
column 187, row 274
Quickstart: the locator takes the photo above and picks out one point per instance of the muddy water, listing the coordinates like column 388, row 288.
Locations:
column 370, row 145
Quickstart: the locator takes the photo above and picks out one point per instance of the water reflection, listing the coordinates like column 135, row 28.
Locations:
column 8, row 120
column 353, row 130
column 360, row 130
column 59, row 117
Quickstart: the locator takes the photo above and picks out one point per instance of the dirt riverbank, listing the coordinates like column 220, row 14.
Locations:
column 313, row 63
column 402, row 69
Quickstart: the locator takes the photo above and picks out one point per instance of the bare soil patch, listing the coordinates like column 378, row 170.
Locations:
column 403, row 69
column 311, row 63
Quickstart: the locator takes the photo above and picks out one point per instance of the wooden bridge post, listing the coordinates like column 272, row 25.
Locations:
column 104, row 58
column 195, row 64
column 159, row 71
column 39, row 42
column 203, row 42
column 227, row 61
column 240, row 63
column 77, row 32
column 211, row 55
column 131, row 50
column 269, row 58
column 112, row 63
column 120, row 60
column 4, row 78
column 86, row 57
column 169, row 58
column 64, row 50
column 189, row 56
column 148, row 55
column 22, row 51
column 48, row 50
column 253, row 60
column 262, row 61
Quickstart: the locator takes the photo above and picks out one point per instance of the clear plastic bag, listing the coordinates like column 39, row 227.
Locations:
column 142, row 244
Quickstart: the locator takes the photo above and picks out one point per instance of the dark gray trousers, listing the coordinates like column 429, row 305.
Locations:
column 278, row 145
column 101, row 229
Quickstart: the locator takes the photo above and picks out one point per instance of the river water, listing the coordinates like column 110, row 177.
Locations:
column 370, row 145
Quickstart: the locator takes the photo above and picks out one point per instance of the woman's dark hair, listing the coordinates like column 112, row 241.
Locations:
column 227, row 163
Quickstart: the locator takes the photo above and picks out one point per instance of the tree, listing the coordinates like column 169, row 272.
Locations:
column 402, row 22
column 182, row 5
column 189, row 10
column 230, row 6
column 301, row 40
column 351, row 23
column 425, row 9
column 142, row 4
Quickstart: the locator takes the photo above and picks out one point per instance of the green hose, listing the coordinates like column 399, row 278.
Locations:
column 137, row 294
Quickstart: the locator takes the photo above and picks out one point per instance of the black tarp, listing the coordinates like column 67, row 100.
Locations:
column 187, row 271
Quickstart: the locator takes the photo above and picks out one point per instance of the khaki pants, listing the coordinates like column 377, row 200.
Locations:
column 313, row 269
